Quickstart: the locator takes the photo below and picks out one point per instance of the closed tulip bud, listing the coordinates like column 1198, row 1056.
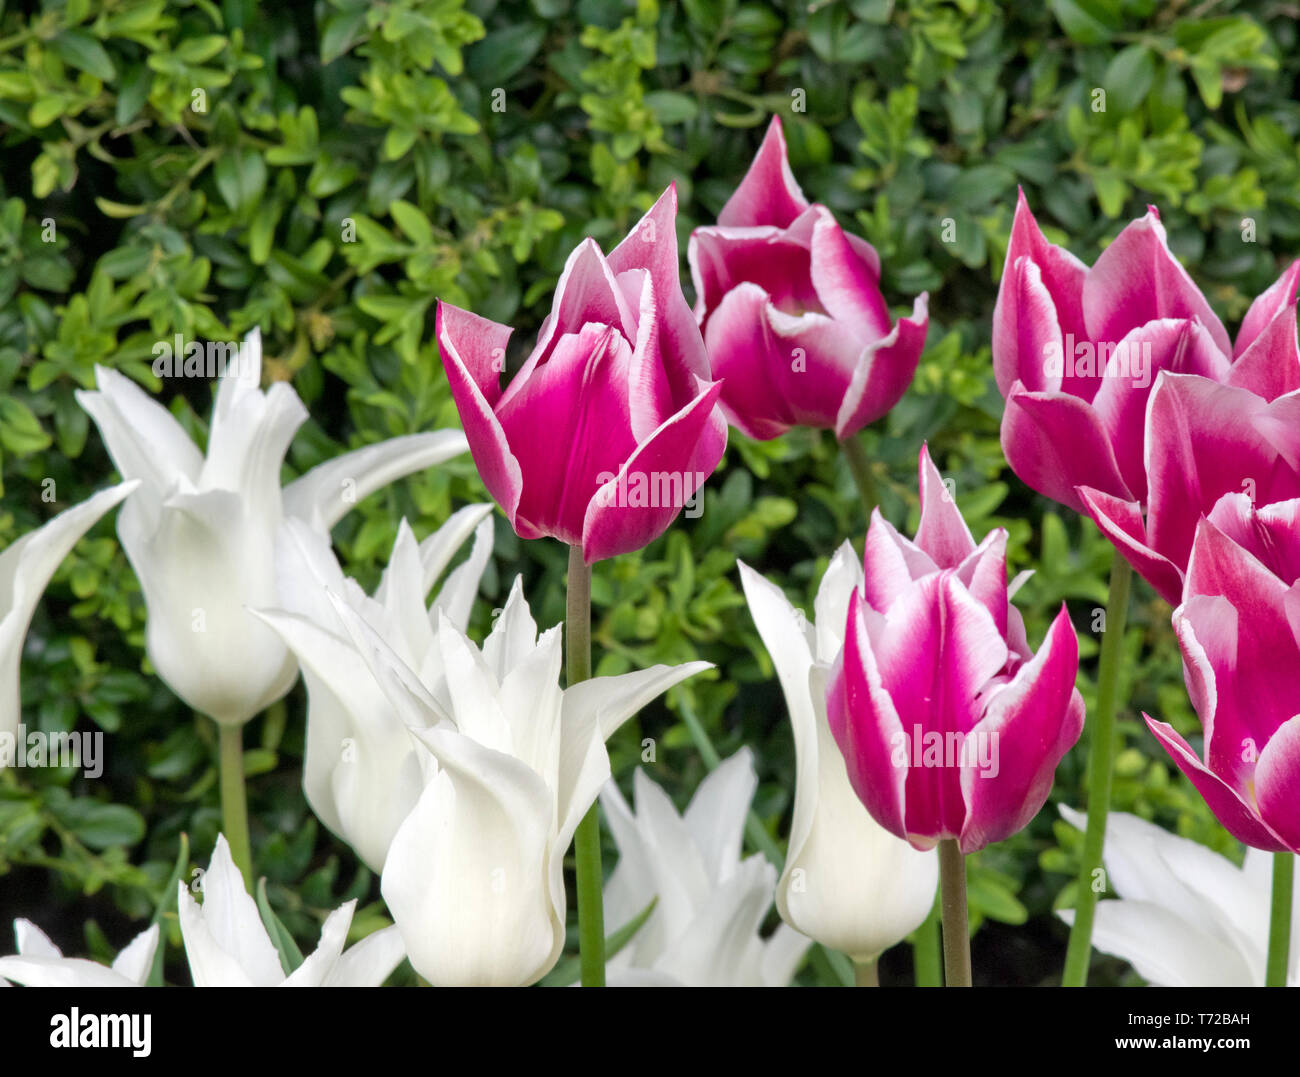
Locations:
column 200, row 531
column 951, row 728
column 791, row 310
column 610, row 427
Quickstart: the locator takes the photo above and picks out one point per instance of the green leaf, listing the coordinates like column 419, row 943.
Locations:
column 20, row 431
column 285, row 947
column 78, row 48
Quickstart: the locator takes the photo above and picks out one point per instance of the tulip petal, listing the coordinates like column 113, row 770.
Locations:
column 1275, row 303
column 848, row 289
column 670, row 466
column 329, row 491
column 318, row 964
column 466, row 874
column 1229, row 808
column 942, row 533
column 883, row 371
column 1277, row 782
column 1121, row 522
column 1055, row 443
column 1176, row 345
column 26, row 567
column 769, row 194
column 1029, row 724
column 370, row 962
column 135, row 962
column 746, row 354
column 1027, row 330
column 1137, row 280
column 459, row 590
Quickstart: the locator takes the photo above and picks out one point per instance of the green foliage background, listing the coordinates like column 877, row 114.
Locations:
column 192, row 167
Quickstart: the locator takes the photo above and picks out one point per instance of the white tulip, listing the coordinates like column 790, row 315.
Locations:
column 26, row 566
column 363, row 771
column 228, row 946
column 200, row 533
column 1186, row 916
column 709, row 904
column 39, row 963
column 474, row 876
column 848, row 883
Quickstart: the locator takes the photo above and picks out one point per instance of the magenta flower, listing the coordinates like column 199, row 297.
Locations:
column 1203, row 440
column 949, row 725
column 1077, row 352
column 791, row 310
column 1239, row 630
column 611, row 425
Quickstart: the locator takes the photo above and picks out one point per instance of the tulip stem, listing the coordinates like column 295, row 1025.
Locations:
column 866, row 974
column 956, row 926
column 1101, row 764
column 234, row 798
column 925, row 950
column 1279, row 923
column 586, row 839
column 860, row 469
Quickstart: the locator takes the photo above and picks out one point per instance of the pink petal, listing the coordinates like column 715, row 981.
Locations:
column 1137, row 280
column 1121, row 522
column 745, row 355
column 1278, row 299
column 722, row 259
column 942, row 532
column 582, row 390
column 938, row 649
column 866, row 726
column 1237, row 816
column 1268, row 360
column 474, row 388
column 649, row 395
column 1277, row 783
column 1271, row 533
column 769, row 193
column 891, row 563
column 652, row 245
column 1039, row 299
column 848, row 290
column 1029, row 725
column 1056, row 442
column 1173, row 344
column 673, row 463
column 884, row 371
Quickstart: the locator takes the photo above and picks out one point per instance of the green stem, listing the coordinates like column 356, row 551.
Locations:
column 586, row 839
column 925, row 949
column 1101, row 764
column 860, row 469
column 234, row 799
column 956, row 927
column 866, row 974
column 1279, row 922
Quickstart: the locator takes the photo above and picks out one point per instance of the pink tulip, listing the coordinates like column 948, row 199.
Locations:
column 949, row 725
column 1239, row 631
column 1203, row 440
column 611, row 425
column 791, row 310
column 1077, row 353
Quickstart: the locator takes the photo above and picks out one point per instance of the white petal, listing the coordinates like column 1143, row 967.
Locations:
column 330, row 490
column 319, row 964
column 370, row 962
column 136, row 960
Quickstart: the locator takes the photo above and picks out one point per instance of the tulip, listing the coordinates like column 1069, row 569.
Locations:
column 1187, row 917
column 228, row 946
column 1239, row 631
column 39, row 963
column 791, row 310
column 610, row 426
column 26, row 566
column 1077, row 351
column 200, row 532
column 848, row 882
column 950, row 727
column 1204, row 440
column 361, row 769
column 474, row 875
column 709, row 904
